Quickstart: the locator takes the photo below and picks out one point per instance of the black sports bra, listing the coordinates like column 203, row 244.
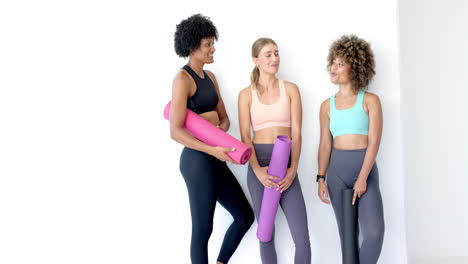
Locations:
column 205, row 98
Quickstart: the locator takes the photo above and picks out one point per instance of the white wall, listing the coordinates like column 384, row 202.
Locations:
column 433, row 69
column 89, row 173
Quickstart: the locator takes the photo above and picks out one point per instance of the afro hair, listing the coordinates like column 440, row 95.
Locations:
column 357, row 52
column 190, row 32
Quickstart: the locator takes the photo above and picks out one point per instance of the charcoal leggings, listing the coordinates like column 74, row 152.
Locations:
column 209, row 181
column 292, row 203
column 343, row 171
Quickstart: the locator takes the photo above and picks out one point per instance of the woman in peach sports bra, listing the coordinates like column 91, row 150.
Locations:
column 273, row 107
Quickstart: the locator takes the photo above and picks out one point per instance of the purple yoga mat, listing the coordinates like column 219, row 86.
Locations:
column 271, row 197
column 213, row 136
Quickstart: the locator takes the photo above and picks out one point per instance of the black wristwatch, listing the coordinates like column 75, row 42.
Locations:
column 320, row 177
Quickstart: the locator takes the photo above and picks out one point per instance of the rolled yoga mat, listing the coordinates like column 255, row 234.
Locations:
column 271, row 197
column 350, row 228
column 213, row 136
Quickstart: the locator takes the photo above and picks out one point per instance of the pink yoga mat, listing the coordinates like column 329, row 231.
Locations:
column 271, row 197
column 213, row 136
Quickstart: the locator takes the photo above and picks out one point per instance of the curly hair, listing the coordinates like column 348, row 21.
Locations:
column 190, row 32
column 357, row 52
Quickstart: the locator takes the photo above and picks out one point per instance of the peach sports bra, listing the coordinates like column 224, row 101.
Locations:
column 270, row 115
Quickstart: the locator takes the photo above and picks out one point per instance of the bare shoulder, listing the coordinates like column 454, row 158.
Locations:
column 371, row 98
column 211, row 75
column 246, row 90
column 325, row 104
column 245, row 93
column 290, row 86
column 183, row 85
column 183, row 77
column 325, row 107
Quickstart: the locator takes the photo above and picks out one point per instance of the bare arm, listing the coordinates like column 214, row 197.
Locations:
column 296, row 136
column 325, row 147
column 180, row 93
column 220, row 108
column 296, row 126
column 244, row 124
column 326, row 140
column 375, row 134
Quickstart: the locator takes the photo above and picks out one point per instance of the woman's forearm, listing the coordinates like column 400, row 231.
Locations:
column 369, row 160
column 253, row 158
column 296, row 151
column 323, row 158
column 181, row 136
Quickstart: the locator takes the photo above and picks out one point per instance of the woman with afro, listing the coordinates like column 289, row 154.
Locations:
column 350, row 132
column 203, row 167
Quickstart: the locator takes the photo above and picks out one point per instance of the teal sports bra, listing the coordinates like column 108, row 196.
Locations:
column 353, row 120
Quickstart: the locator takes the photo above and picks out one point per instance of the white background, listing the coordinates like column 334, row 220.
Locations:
column 433, row 66
column 89, row 173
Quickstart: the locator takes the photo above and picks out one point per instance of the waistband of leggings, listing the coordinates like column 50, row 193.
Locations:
column 263, row 150
column 349, row 150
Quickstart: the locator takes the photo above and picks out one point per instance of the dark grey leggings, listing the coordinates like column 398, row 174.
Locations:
column 343, row 171
column 292, row 203
column 209, row 181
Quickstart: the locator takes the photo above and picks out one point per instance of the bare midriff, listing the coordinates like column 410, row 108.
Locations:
column 268, row 135
column 212, row 117
column 350, row 141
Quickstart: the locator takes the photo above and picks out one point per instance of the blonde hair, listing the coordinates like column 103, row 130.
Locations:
column 257, row 46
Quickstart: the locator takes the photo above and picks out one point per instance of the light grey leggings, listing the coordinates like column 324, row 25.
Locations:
column 343, row 171
column 292, row 203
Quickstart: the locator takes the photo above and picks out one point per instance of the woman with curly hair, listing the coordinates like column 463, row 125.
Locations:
column 203, row 167
column 273, row 107
column 350, row 132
